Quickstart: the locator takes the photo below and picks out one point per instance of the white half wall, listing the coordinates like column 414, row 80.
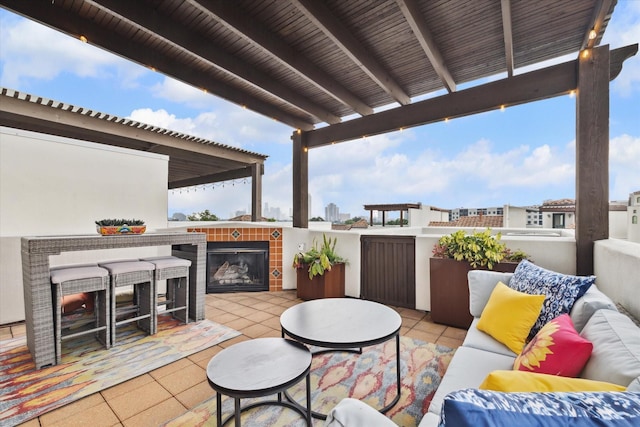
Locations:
column 55, row 186
column 616, row 264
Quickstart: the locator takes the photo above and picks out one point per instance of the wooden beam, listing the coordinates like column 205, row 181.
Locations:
column 516, row 90
column 197, row 45
column 592, row 155
column 321, row 16
column 300, row 180
column 231, row 15
column 601, row 14
column 617, row 58
column 533, row 86
column 508, row 35
column 51, row 15
column 416, row 21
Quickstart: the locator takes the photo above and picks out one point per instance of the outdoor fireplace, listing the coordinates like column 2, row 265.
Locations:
column 237, row 266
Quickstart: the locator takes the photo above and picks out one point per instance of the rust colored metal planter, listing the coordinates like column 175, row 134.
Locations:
column 329, row 285
column 450, row 290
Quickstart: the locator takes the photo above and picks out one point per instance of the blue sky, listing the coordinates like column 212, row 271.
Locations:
column 520, row 156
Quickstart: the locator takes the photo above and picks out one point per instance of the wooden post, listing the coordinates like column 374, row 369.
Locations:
column 300, row 180
column 256, row 191
column 592, row 155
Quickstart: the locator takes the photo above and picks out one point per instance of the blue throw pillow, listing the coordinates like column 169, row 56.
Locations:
column 561, row 290
column 480, row 408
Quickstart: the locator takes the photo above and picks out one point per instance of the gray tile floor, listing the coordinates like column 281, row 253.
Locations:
column 167, row 392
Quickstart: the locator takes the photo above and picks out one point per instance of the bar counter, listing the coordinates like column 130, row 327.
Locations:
column 37, row 285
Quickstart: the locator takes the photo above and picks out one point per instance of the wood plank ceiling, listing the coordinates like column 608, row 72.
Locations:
column 309, row 63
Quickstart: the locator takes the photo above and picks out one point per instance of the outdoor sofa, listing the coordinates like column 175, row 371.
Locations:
column 468, row 393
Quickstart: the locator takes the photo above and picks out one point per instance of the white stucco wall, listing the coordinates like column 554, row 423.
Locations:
column 633, row 229
column 616, row 264
column 514, row 217
column 551, row 249
column 52, row 186
column 618, row 228
column 423, row 216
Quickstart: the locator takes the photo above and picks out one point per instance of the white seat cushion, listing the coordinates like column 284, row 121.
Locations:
column 459, row 375
column 167, row 262
column 122, row 267
column 61, row 275
column 354, row 413
column 482, row 341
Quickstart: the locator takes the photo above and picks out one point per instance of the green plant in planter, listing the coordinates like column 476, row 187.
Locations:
column 480, row 249
column 318, row 259
column 118, row 222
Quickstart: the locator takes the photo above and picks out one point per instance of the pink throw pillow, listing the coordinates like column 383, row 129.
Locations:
column 557, row 349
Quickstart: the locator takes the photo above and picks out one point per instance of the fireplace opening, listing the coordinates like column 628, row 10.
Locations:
column 237, row 266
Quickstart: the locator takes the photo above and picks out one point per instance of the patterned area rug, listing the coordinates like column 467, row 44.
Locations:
column 88, row 368
column 370, row 377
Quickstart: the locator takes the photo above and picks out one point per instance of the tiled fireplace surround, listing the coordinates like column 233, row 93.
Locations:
column 253, row 234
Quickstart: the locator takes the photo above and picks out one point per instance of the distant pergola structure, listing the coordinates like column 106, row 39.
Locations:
column 308, row 62
column 402, row 207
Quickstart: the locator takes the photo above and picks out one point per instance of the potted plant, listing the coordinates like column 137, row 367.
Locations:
column 120, row 226
column 453, row 256
column 320, row 271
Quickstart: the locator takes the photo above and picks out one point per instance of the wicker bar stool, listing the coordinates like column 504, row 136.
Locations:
column 70, row 280
column 176, row 272
column 138, row 274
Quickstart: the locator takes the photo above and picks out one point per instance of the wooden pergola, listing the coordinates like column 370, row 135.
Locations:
column 402, row 207
column 307, row 62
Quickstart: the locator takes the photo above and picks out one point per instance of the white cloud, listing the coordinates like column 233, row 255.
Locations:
column 33, row 51
column 623, row 30
column 228, row 123
column 624, row 166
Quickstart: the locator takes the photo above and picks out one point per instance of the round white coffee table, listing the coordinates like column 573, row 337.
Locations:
column 343, row 324
column 256, row 368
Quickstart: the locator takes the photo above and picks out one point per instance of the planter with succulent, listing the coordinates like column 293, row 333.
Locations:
column 120, row 226
column 453, row 256
column 320, row 271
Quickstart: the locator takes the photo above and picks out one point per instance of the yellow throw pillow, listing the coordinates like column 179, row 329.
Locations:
column 520, row 381
column 509, row 316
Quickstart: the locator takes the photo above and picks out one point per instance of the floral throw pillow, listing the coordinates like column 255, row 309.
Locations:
column 561, row 290
column 557, row 349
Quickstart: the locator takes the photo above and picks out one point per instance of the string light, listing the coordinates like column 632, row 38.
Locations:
column 585, row 53
column 593, row 34
column 211, row 186
column 502, row 107
column 83, row 39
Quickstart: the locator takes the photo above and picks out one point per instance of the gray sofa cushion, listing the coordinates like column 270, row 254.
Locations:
column 616, row 348
column 482, row 341
column 584, row 307
column 481, row 284
column 468, row 368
